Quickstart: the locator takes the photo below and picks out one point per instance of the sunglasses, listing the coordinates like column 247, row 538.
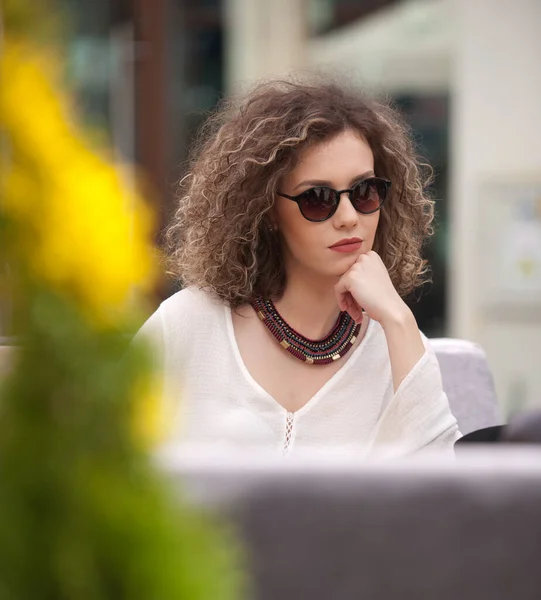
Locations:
column 320, row 203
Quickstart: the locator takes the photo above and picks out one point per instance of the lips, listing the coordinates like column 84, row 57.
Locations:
column 347, row 242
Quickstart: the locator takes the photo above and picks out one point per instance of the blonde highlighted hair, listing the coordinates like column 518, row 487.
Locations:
column 220, row 240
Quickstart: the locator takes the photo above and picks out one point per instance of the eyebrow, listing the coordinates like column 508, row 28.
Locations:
column 324, row 183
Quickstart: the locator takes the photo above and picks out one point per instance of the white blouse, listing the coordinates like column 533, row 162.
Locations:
column 212, row 401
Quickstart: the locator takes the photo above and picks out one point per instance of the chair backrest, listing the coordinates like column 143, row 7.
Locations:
column 468, row 383
column 419, row 529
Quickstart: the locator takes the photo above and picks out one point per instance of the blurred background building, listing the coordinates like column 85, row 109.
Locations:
column 466, row 73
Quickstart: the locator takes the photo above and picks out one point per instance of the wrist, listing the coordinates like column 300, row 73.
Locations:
column 399, row 318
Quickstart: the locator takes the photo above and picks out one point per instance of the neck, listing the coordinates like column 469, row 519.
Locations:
column 309, row 305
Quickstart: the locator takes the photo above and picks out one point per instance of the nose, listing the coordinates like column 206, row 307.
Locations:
column 346, row 216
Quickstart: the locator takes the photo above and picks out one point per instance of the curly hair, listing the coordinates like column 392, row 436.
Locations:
column 219, row 239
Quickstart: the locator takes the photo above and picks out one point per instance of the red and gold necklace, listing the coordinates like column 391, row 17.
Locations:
column 318, row 352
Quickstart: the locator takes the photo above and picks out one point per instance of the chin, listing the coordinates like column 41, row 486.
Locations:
column 336, row 267
column 338, row 270
column 345, row 263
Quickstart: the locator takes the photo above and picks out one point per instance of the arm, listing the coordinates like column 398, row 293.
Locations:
column 367, row 286
column 418, row 414
column 404, row 342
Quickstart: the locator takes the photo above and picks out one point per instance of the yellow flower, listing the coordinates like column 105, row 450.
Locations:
column 81, row 231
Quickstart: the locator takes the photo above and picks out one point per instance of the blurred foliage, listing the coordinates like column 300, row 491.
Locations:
column 56, row 183
column 37, row 20
column 84, row 513
column 84, row 516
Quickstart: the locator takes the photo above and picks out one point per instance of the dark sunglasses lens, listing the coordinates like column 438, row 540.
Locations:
column 317, row 204
column 367, row 196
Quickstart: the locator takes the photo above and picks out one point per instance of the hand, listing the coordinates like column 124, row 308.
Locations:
column 367, row 285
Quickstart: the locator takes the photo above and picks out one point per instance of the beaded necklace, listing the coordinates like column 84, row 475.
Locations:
column 318, row 352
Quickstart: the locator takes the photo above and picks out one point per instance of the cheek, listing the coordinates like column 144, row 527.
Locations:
column 372, row 226
column 299, row 236
column 290, row 223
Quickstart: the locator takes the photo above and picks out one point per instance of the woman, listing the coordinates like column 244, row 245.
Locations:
column 298, row 231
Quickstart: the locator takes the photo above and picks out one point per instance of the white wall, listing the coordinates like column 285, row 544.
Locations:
column 496, row 133
column 264, row 38
column 404, row 48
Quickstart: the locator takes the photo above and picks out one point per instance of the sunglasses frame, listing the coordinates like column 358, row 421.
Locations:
column 338, row 196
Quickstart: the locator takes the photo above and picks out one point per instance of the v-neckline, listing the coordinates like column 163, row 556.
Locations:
column 262, row 392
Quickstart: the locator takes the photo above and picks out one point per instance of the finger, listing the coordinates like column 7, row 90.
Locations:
column 357, row 316
column 354, row 309
column 344, row 302
column 341, row 297
column 350, row 302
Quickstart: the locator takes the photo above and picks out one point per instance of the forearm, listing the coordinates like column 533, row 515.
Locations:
column 404, row 343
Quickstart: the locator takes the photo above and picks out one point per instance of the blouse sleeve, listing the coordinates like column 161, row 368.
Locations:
column 418, row 416
column 159, row 413
column 152, row 334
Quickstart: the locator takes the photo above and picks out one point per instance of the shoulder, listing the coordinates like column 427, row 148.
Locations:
column 190, row 303
column 189, row 311
column 182, row 314
column 182, row 321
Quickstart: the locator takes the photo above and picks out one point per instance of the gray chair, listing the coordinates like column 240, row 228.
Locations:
column 468, row 383
column 423, row 529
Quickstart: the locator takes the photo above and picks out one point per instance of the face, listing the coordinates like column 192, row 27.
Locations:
column 337, row 163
